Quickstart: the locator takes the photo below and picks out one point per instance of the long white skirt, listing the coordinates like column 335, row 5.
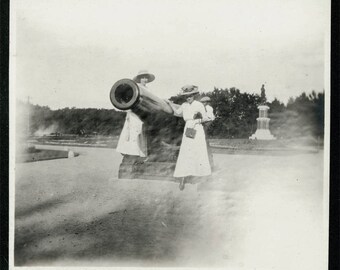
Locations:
column 132, row 139
column 193, row 155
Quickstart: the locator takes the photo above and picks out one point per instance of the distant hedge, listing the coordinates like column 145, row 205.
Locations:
column 236, row 114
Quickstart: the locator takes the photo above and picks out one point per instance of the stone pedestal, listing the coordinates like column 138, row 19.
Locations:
column 262, row 132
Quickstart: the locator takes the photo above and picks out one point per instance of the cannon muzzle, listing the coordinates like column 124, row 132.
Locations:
column 125, row 94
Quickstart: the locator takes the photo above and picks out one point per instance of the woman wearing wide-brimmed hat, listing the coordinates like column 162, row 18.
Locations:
column 144, row 77
column 193, row 155
column 132, row 140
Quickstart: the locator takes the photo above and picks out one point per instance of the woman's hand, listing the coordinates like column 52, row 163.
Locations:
column 168, row 102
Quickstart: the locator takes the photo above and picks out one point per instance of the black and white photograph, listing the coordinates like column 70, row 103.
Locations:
column 169, row 134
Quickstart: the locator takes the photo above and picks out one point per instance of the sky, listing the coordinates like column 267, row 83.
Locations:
column 69, row 53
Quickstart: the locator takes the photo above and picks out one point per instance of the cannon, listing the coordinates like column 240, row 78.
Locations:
column 162, row 127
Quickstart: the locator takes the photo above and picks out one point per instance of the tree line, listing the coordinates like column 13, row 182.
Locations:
column 235, row 111
column 236, row 115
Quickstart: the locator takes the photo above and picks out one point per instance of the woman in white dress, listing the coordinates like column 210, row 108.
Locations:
column 210, row 114
column 193, row 157
column 132, row 140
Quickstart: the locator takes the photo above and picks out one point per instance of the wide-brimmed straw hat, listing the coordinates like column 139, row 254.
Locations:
column 144, row 74
column 189, row 90
column 205, row 99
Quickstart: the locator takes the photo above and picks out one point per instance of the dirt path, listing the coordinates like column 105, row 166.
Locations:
column 262, row 211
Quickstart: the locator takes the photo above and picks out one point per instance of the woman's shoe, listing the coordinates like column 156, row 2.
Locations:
column 182, row 184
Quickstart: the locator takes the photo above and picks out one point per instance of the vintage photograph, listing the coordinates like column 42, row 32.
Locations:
column 165, row 133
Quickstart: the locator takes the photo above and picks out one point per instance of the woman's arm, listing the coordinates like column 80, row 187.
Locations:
column 178, row 110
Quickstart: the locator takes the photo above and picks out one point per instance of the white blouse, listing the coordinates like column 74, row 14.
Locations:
column 188, row 111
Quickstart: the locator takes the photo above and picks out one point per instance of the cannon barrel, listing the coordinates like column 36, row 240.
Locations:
column 125, row 94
